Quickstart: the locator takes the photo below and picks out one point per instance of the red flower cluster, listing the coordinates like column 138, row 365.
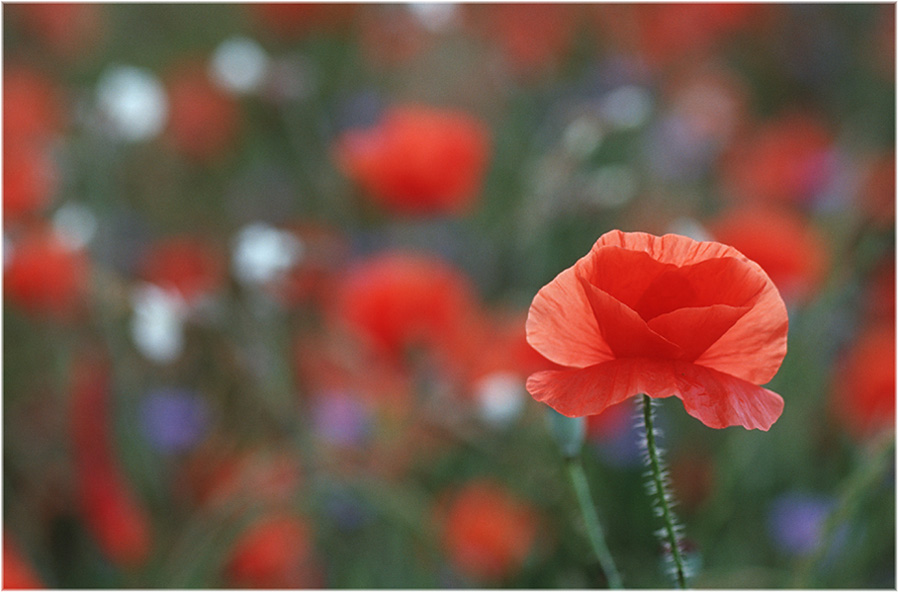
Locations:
column 665, row 316
column 488, row 533
column 418, row 160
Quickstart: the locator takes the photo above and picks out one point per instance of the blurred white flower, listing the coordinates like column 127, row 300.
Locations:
column 613, row 185
column 626, row 107
column 75, row 224
column 501, row 398
column 239, row 65
column 262, row 252
column 157, row 326
column 133, row 102
column 435, row 16
column 583, row 136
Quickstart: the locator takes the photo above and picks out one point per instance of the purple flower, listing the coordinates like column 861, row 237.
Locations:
column 341, row 419
column 173, row 419
column 795, row 522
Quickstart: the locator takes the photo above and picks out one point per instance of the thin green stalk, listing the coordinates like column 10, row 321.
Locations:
column 658, row 488
column 593, row 526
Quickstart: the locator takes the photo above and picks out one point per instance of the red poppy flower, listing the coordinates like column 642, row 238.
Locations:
column 788, row 159
column 17, row 572
column 863, row 398
column 785, row 244
column 418, row 160
column 185, row 264
column 398, row 300
column 203, row 120
column 44, row 277
column 877, row 197
column 665, row 316
column 664, row 33
column 274, row 552
column 29, row 179
column 110, row 508
column 68, row 29
column 294, row 20
column 488, row 533
column 114, row 517
column 32, row 108
column 531, row 36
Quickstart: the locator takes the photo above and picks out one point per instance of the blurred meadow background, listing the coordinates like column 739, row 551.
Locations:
column 266, row 269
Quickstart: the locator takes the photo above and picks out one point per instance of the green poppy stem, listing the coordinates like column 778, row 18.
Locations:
column 593, row 526
column 658, row 487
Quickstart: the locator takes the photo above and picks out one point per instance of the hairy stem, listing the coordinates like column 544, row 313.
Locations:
column 593, row 526
column 658, row 487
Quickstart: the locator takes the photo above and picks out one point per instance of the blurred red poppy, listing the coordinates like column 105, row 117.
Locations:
column 32, row 107
column 488, row 533
column 877, row 197
column 293, row 20
column 274, row 552
column 114, row 517
column 110, row 509
column 45, row 278
column 531, row 36
column 664, row 33
column 391, row 35
column 68, row 29
column 203, row 120
column 418, row 160
column 787, row 159
column 397, row 300
column 17, row 572
column 29, row 180
column 784, row 243
column 186, row 264
column 863, row 393
column 665, row 316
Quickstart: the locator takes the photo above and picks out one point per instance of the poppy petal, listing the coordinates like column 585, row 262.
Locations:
column 623, row 329
column 755, row 345
column 561, row 324
column 720, row 400
column 670, row 248
column 588, row 391
column 697, row 328
column 716, row 399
